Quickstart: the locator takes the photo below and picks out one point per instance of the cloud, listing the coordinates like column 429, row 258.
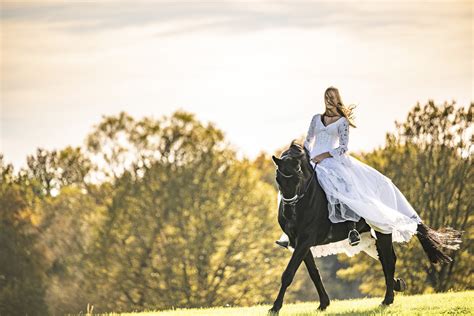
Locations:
column 232, row 16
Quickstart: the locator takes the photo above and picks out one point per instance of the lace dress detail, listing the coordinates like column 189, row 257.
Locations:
column 343, row 133
column 354, row 189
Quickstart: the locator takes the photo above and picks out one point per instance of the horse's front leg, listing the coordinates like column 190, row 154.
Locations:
column 386, row 256
column 314, row 274
column 297, row 257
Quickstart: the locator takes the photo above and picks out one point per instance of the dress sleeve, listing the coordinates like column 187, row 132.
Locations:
column 343, row 132
column 308, row 143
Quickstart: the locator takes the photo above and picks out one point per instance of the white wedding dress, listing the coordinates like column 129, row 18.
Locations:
column 358, row 189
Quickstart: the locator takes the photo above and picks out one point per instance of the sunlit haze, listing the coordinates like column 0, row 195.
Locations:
column 258, row 70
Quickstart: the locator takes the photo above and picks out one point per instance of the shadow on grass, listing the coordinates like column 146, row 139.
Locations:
column 377, row 310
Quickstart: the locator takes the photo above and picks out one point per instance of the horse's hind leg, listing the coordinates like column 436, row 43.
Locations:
column 314, row 274
column 386, row 256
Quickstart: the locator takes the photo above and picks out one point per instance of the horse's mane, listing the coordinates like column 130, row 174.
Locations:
column 295, row 150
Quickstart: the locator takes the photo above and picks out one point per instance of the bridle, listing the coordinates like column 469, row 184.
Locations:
column 292, row 201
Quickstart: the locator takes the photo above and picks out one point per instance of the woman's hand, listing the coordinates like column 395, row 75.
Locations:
column 320, row 157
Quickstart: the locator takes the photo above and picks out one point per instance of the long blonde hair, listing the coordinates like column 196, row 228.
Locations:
column 342, row 109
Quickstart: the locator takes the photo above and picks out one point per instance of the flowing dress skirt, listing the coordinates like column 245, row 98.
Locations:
column 356, row 190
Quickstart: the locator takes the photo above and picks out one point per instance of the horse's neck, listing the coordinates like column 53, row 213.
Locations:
column 318, row 194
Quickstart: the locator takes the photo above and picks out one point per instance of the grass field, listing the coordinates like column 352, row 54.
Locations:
column 452, row 303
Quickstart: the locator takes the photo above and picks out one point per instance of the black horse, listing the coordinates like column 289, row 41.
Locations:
column 303, row 216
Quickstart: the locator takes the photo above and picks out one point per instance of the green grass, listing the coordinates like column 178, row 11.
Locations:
column 451, row 303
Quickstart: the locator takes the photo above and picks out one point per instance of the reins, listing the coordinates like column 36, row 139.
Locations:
column 292, row 201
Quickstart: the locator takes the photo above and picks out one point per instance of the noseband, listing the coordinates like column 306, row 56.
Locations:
column 292, row 201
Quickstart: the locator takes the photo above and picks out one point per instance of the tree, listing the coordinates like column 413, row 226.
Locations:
column 48, row 171
column 68, row 229
column 187, row 224
column 22, row 285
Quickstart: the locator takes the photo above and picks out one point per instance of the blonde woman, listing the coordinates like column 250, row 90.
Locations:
column 354, row 190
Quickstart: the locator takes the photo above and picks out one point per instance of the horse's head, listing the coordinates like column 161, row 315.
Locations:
column 291, row 168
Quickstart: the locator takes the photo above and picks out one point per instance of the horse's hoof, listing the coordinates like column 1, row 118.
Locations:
column 322, row 306
column 273, row 311
column 400, row 285
column 386, row 302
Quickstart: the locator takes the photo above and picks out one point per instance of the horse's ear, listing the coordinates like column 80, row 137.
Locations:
column 276, row 160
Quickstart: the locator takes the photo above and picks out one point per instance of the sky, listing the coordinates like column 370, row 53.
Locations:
column 258, row 70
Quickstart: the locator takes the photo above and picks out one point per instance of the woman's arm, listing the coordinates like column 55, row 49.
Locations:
column 308, row 143
column 343, row 132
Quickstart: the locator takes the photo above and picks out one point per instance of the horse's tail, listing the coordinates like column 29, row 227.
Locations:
column 434, row 242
